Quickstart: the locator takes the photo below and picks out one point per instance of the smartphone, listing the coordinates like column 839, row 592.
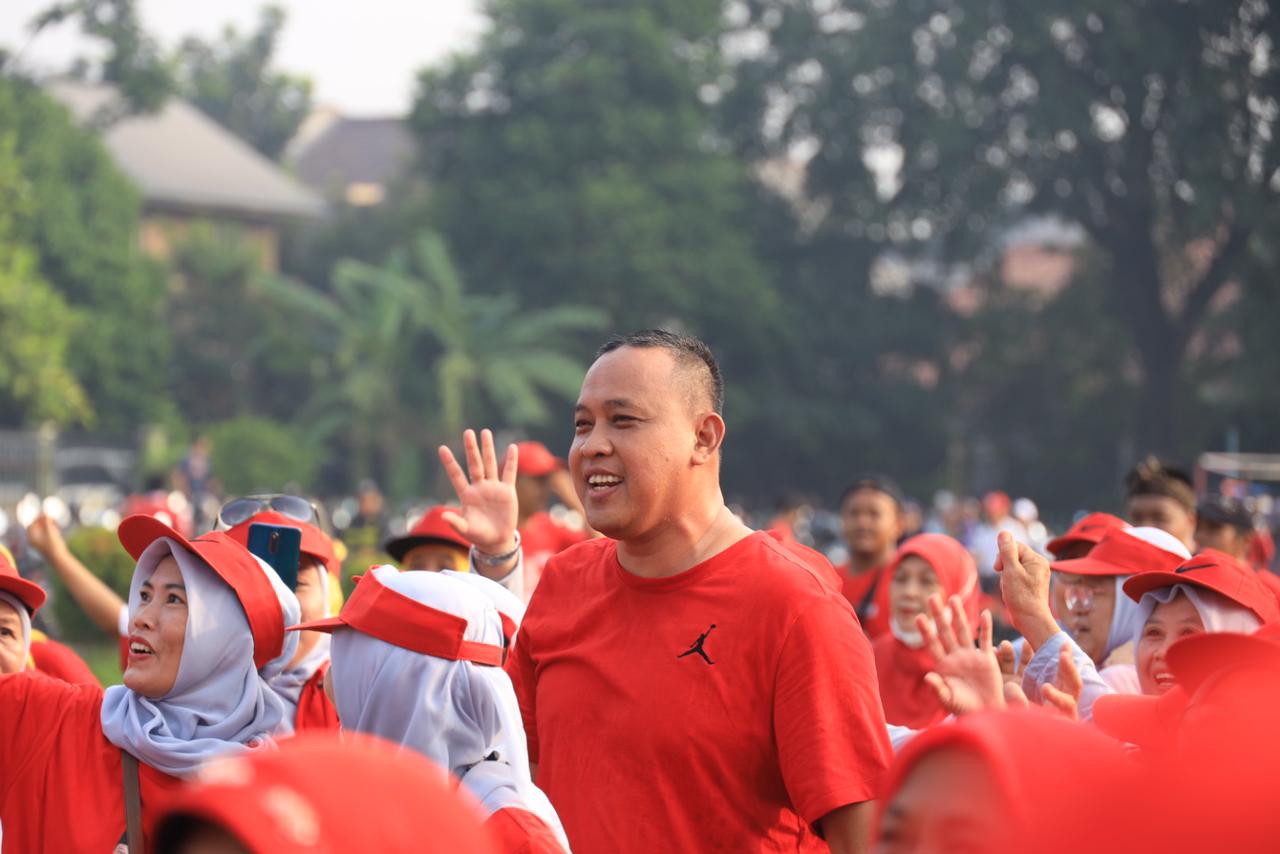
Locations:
column 280, row 546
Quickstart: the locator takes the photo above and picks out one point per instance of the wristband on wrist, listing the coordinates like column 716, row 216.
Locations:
column 496, row 560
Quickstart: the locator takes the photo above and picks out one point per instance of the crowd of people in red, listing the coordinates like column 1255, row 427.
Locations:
column 667, row 679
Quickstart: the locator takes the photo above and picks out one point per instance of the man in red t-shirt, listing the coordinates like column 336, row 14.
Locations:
column 871, row 521
column 688, row 684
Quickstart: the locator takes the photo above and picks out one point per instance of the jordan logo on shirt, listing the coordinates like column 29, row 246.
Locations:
column 697, row 646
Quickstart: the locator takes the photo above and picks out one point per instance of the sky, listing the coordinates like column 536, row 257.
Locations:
column 362, row 56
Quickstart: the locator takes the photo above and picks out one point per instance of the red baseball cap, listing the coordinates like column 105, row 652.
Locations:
column 234, row 564
column 1211, row 570
column 536, row 461
column 315, row 543
column 1089, row 529
column 378, row 611
column 286, row 800
column 431, row 528
column 1119, row 552
column 1195, row 659
column 27, row 592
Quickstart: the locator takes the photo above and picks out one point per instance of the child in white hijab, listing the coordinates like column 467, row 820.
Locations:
column 416, row 659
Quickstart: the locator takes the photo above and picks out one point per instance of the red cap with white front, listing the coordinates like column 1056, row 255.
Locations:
column 1216, row 571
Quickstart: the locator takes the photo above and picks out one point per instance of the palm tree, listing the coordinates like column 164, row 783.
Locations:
column 486, row 357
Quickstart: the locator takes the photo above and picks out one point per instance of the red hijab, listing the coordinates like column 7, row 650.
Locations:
column 1053, row 779
column 908, row 700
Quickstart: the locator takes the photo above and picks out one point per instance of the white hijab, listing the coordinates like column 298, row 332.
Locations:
column 219, row 703
column 1128, row 619
column 461, row 715
column 1217, row 612
column 25, row 619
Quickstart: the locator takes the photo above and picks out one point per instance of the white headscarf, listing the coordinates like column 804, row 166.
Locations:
column 508, row 604
column 288, row 684
column 25, row 619
column 219, row 703
column 1127, row 618
column 457, row 713
column 1217, row 612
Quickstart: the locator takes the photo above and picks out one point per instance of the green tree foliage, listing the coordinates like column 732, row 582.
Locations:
column 233, row 82
column 415, row 355
column 571, row 158
column 82, row 223
column 1150, row 123
column 253, row 454
column 235, row 352
column 133, row 61
column 36, row 325
column 100, row 550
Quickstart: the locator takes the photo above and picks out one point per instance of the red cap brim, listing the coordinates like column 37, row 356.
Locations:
column 138, row 532
column 1087, row 566
column 27, row 592
column 327, row 625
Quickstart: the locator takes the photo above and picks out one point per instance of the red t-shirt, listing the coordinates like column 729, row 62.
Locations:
column 874, row 614
column 518, row 831
column 541, row 538
column 59, row 661
column 61, row 784
column 315, row 711
column 725, row 708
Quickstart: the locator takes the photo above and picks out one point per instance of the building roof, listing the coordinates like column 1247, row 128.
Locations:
column 345, row 151
column 179, row 157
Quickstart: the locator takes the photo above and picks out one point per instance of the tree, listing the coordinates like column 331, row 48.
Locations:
column 1149, row 123
column 133, row 62
column 415, row 355
column 233, row 82
column 572, row 158
column 36, row 325
column 82, row 223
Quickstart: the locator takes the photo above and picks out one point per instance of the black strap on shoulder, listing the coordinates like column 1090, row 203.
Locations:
column 132, row 803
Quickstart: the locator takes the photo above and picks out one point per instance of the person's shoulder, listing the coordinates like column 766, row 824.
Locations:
column 780, row 568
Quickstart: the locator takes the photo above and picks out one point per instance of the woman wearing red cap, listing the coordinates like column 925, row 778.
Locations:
column 301, row 682
column 317, row 793
column 417, row 660
column 19, row 601
column 207, row 620
column 926, row 564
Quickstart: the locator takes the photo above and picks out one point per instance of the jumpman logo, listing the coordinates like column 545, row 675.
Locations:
column 697, row 646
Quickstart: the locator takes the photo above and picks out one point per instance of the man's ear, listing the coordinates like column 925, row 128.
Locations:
column 708, row 436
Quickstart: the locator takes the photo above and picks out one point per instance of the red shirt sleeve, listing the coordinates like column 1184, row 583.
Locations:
column 26, row 700
column 61, row 662
column 518, row 831
column 833, row 746
column 519, row 667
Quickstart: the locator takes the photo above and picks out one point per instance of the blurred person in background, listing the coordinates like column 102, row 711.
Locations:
column 541, row 476
column 39, row 651
column 193, row 477
column 1224, row 524
column 1159, row 495
column 997, row 517
column 170, row 507
column 431, row 545
column 871, row 521
column 924, row 565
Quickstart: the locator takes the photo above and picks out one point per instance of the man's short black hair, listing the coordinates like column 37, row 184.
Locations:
column 1154, row 476
column 1224, row 510
column 875, row 483
column 689, row 352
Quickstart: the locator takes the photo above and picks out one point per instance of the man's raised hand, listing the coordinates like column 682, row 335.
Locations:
column 1024, row 584
column 489, row 511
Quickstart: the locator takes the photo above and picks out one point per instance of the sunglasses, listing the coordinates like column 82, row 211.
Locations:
column 239, row 510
